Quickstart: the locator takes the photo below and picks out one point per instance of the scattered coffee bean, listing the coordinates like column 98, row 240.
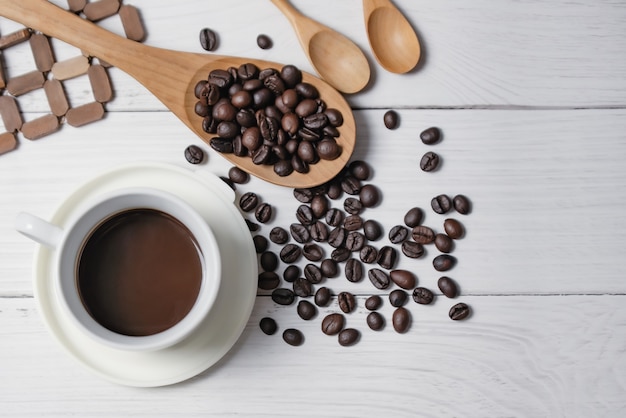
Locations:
column 260, row 243
column 334, row 217
column 319, row 206
column 194, row 154
column 263, row 213
column 208, row 39
column 319, row 232
column 252, row 227
column 337, row 237
column 333, row 323
column 444, row 243
column 398, row 234
column 403, row 278
column 237, row 175
column 302, row 287
column 354, row 270
column 279, row 235
column 430, row 136
column 268, row 280
column 306, row 310
column 397, row 298
column 447, row 286
column 269, row 261
column 304, row 215
column 391, row 119
column 300, row 233
column 346, row 302
column 387, row 257
column 312, row 252
column 248, row 201
column 290, row 253
column 348, row 337
column 268, row 325
column 461, row 204
column 355, row 241
column 372, row 230
column 340, row 254
column 368, row 254
column 291, row 273
column 375, row 321
column 422, row 296
column 423, row 235
column 401, row 320
column 352, row 205
column 303, row 195
column 412, row 249
column 264, row 41
column 283, row 296
column 429, row 162
column 329, row 268
column 293, row 337
column 459, row 311
column 313, row 273
column 444, row 262
column 322, row 296
column 441, row 204
column 369, row 195
column 453, row 228
column 413, row 217
column 351, row 185
column 360, row 170
column 379, row 278
column 353, row 223
column 373, row 302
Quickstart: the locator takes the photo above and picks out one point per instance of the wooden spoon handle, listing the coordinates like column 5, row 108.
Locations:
column 305, row 26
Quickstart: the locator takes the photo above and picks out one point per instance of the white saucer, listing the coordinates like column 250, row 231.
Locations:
column 213, row 199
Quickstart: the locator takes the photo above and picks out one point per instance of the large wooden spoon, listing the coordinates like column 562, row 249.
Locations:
column 391, row 36
column 172, row 75
column 336, row 58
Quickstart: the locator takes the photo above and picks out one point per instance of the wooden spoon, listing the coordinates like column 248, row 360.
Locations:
column 392, row 39
column 172, row 75
column 336, row 58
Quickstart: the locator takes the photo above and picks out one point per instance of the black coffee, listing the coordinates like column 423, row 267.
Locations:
column 139, row 272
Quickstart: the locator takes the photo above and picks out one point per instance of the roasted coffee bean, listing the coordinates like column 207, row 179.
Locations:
column 461, row 204
column 373, row 302
column 360, row 170
column 312, row 252
column 430, row 161
column 238, row 149
column 441, row 204
column 413, row 217
column 306, row 108
column 290, row 253
column 268, row 280
column 269, row 261
column 313, row 273
column 398, row 234
column 208, row 39
column 333, row 323
column 340, row 254
column 444, row 243
column 368, row 254
column 202, row 109
column 262, row 155
column 228, row 130
column 224, row 146
column 328, row 149
column 302, row 287
column 369, row 195
column 430, row 136
column 252, row 226
column 387, row 257
column 300, row 233
column 322, row 296
column 319, row 206
column 251, row 138
column 209, row 125
column 444, row 262
column 293, row 337
column 453, row 228
column 248, row 201
column 260, row 243
column 337, row 237
column 291, row 75
column 304, row 215
column 279, row 235
column 379, row 278
column 334, row 190
column 412, row 249
column 263, row 213
column 335, row 118
column 315, row 121
column 264, row 41
column 354, row 241
column 247, row 71
column 372, row 230
column 447, row 286
column 351, row 185
column 422, row 296
column 245, row 118
column 334, row 217
column 275, row 84
column 329, row 268
column 307, row 90
column 348, row 337
column 459, row 311
column 319, row 231
column 237, row 175
column 290, row 123
column 268, row 326
column 194, row 154
column 423, row 235
column 224, row 110
column 241, row 99
column 283, row 296
column 375, row 321
column 403, row 278
column 346, row 302
column 291, row 273
column 397, row 298
column 401, row 320
column 283, row 168
column 352, row 205
column 306, row 310
column 303, row 195
column 354, row 270
column 391, row 119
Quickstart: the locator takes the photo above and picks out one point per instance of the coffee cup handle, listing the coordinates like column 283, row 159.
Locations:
column 38, row 230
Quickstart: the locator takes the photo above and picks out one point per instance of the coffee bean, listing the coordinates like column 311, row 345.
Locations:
column 333, row 323
column 329, row 268
column 453, row 228
column 208, row 39
column 403, row 278
column 355, row 241
column 441, row 204
column 300, row 233
column 353, row 223
column 335, row 118
column 444, row 262
column 334, row 217
column 306, row 310
column 430, row 136
column 422, row 295
column 337, row 237
column 398, row 234
column 313, row 273
column 283, row 296
column 237, row 175
column 268, row 280
column 459, row 311
column 387, row 257
column 322, row 296
column 348, row 337
column 194, row 154
column 352, row 205
column 430, row 161
column 334, row 190
column 354, row 270
column 368, row 254
column 224, row 146
column 372, row 230
column 262, row 155
column 312, row 252
column 269, row 261
column 375, row 321
column 461, row 204
column 379, row 278
column 304, row 214
column 351, row 185
column 252, row 226
column 444, row 243
column 307, row 90
column 447, row 286
column 413, row 217
column 423, row 235
column 397, row 298
column 291, row 273
column 291, row 75
column 263, row 213
column 248, row 201
column 283, row 168
column 279, row 235
column 340, row 254
column 264, row 41
column 401, row 320
column 268, row 325
column 319, row 232
column 293, row 337
column 223, row 109
column 373, row 302
column 290, row 253
column 391, row 119
column 360, row 170
column 346, row 302
column 319, row 206
column 306, row 108
column 303, row 195
column 412, row 249
column 260, row 243
column 227, row 130
column 302, row 287
column 369, row 195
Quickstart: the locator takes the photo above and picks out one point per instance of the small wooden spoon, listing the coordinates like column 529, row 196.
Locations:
column 172, row 75
column 392, row 39
column 336, row 58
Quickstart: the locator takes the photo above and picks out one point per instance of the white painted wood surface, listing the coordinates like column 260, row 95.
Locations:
column 531, row 97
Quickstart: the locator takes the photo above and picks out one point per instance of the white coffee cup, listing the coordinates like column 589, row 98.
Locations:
column 68, row 240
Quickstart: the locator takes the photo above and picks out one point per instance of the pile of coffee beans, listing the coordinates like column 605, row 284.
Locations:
column 270, row 115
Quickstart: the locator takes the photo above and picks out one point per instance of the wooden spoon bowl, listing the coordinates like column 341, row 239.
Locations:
column 172, row 76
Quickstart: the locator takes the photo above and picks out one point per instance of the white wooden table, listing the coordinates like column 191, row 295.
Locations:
column 531, row 98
